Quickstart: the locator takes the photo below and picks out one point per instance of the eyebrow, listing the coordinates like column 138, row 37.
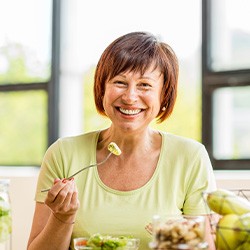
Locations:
column 141, row 76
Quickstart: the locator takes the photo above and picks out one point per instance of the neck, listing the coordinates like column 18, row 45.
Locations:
column 142, row 142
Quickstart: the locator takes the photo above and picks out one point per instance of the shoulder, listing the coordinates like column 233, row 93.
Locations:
column 184, row 151
column 78, row 139
column 74, row 143
column 183, row 144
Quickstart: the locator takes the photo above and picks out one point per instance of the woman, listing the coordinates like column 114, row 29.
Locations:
column 157, row 172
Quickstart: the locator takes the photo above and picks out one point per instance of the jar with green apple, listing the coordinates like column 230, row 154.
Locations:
column 5, row 215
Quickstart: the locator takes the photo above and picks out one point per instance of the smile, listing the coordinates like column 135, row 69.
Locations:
column 130, row 111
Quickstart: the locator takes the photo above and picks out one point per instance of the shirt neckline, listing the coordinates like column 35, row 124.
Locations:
column 135, row 191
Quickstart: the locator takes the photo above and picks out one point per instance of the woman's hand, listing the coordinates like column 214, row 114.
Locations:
column 63, row 201
column 53, row 220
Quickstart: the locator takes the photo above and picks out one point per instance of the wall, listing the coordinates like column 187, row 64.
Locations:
column 23, row 185
column 22, row 190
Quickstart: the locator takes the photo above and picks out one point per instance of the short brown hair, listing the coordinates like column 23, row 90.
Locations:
column 137, row 51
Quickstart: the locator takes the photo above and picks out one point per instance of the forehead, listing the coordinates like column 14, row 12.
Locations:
column 134, row 62
column 150, row 72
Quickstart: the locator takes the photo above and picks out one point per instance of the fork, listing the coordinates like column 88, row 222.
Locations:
column 79, row 171
column 112, row 147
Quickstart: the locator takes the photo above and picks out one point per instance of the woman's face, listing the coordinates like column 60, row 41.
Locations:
column 132, row 100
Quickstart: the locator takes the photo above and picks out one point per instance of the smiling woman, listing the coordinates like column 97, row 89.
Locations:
column 148, row 73
column 132, row 98
column 135, row 82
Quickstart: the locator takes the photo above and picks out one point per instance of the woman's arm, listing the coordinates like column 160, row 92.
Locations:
column 53, row 220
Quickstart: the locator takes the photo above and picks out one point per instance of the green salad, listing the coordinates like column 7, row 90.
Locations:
column 107, row 242
column 98, row 241
column 5, row 220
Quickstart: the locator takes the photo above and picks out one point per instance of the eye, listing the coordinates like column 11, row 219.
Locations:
column 120, row 83
column 145, row 85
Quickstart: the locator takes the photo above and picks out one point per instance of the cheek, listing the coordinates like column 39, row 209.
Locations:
column 157, row 102
column 104, row 102
column 111, row 94
column 153, row 98
column 108, row 98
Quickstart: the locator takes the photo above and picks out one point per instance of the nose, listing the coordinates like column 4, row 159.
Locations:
column 130, row 95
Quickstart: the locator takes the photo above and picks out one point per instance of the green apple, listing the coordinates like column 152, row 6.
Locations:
column 226, row 236
column 243, row 227
column 244, row 246
column 224, row 202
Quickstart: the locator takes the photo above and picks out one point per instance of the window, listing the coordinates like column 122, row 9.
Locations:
column 226, row 82
column 28, row 80
column 30, row 100
column 176, row 33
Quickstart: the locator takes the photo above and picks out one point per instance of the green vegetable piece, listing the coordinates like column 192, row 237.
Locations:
column 114, row 149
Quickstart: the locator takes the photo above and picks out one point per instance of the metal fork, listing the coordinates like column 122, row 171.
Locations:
column 79, row 171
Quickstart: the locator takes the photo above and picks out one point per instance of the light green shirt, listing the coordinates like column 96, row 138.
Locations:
column 183, row 172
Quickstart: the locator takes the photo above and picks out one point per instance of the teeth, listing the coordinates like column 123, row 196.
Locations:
column 130, row 111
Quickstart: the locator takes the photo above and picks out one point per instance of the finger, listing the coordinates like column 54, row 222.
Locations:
column 75, row 204
column 62, row 201
column 63, row 193
column 56, row 180
column 66, row 195
column 72, row 196
column 75, row 195
column 70, row 191
column 66, row 205
column 55, row 189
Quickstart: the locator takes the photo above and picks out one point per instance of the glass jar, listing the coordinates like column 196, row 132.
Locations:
column 179, row 232
column 5, row 215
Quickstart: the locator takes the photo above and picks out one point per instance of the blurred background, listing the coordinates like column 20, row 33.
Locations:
column 48, row 53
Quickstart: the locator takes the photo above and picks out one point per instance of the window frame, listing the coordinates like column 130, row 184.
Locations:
column 52, row 85
column 210, row 82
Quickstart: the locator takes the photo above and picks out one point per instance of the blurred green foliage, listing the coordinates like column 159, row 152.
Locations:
column 23, row 114
column 23, row 128
column 19, row 65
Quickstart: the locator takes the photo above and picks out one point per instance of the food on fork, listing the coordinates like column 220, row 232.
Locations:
column 114, row 149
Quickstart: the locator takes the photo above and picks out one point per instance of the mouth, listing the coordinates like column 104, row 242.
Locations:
column 130, row 111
